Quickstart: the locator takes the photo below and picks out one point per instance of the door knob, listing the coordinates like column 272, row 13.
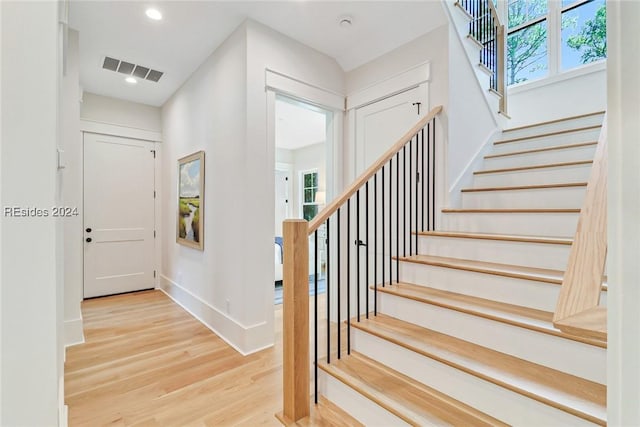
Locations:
column 88, row 230
column 88, row 239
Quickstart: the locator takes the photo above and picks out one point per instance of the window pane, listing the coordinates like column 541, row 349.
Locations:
column 309, row 212
column 308, row 196
column 521, row 11
column 314, row 179
column 527, row 53
column 584, row 34
column 308, row 180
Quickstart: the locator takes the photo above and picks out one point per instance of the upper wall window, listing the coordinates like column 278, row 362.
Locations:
column 309, row 204
column 546, row 37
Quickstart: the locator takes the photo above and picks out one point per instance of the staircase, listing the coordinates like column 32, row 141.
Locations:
column 462, row 333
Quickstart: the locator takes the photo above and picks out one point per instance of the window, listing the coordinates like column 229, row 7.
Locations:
column 309, row 189
column 549, row 36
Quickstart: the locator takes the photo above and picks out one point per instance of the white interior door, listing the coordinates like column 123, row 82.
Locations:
column 380, row 124
column 283, row 199
column 118, row 215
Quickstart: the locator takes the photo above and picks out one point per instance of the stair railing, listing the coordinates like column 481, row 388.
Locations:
column 485, row 27
column 577, row 311
column 380, row 213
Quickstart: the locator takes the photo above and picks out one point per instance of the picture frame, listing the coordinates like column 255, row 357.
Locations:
column 190, row 201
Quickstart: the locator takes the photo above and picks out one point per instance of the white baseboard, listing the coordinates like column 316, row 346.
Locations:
column 244, row 339
column 73, row 333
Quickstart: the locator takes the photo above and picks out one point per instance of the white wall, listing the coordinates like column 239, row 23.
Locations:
column 575, row 92
column 432, row 47
column 71, row 143
column 222, row 109
column 623, row 373
column 31, row 354
column 120, row 112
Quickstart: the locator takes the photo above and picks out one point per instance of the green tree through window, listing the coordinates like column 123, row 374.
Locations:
column 592, row 39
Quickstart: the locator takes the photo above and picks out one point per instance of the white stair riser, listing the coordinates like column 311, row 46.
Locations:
column 506, row 405
column 532, row 224
column 565, row 355
column 355, row 404
column 525, row 293
column 561, row 198
column 538, row 255
column 554, row 175
column 589, row 135
column 541, row 158
column 554, row 127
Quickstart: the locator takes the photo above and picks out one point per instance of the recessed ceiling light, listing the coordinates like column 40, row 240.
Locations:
column 131, row 80
column 154, row 14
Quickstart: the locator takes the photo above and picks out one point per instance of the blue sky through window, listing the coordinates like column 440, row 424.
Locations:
column 572, row 23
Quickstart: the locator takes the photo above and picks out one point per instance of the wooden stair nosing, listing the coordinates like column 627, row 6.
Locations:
column 463, row 10
column 550, row 122
column 475, row 41
column 531, row 374
column 522, row 168
column 438, row 406
column 543, row 149
column 544, row 135
column 521, row 317
column 525, row 187
column 527, row 273
column 502, row 237
column 515, row 211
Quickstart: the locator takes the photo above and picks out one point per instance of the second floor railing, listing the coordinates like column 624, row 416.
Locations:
column 363, row 234
column 485, row 27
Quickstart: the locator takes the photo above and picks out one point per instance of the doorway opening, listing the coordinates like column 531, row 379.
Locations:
column 303, row 134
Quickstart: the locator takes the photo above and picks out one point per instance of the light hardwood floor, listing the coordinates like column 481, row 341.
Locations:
column 147, row 362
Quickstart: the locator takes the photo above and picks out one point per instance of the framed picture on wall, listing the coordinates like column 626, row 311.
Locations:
column 190, row 230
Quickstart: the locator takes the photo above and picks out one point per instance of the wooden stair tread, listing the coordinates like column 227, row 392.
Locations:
column 543, row 135
column 413, row 402
column 525, row 187
column 531, row 167
column 524, row 317
column 324, row 414
column 575, row 395
column 549, row 122
column 511, row 210
column 590, row 323
column 503, row 237
column 507, row 270
column 543, row 149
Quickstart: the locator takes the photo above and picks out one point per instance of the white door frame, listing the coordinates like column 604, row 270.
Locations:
column 91, row 126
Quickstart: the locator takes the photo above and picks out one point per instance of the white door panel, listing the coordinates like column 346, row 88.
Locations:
column 380, row 124
column 118, row 215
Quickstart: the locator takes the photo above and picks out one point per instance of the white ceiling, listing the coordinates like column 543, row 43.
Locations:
column 298, row 125
column 191, row 30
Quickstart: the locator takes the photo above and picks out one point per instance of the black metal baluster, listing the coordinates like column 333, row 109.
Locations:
column 424, row 175
column 410, row 180
column 404, row 201
column 375, row 244
column 382, row 224
column 433, row 180
column 390, row 215
column 339, row 283
column 315, row 314
column 328, row 298
column 366, row 240
column 358, row 253
column 417, row 177
column 348, row 276
column 398, row 217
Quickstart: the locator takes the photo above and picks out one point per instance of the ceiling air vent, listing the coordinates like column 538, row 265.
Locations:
column 128, row 68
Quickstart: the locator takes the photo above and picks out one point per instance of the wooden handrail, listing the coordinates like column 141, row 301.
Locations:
column 332, row 207
column 582, row 282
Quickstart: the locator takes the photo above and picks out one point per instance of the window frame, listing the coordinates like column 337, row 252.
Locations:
column 553, row 18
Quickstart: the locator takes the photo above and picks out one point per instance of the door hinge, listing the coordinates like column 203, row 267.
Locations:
column 154, row 194
column 154, row 234
column 418, row 176
column 154, row 153
column 154, row 274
